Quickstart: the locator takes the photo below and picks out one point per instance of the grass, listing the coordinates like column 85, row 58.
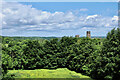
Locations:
column 46, row 73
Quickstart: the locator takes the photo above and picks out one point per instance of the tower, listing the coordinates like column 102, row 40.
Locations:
column 88, row 34
column 77, row 36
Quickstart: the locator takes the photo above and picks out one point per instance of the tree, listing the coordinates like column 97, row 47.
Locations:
column 107, row 65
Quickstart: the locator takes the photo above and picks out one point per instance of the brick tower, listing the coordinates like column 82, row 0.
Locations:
column 77, row 36
column 88, row 34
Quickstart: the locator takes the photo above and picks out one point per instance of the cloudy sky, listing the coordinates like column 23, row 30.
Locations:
column 58, row 18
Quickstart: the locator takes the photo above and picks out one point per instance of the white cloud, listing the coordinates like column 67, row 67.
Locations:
column 4, row 22
column 115, row 18
column 18, row 17
column 92, row 16
column 107, row 25
column 83, row 9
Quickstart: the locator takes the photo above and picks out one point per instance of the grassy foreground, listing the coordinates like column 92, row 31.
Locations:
column 46, row 73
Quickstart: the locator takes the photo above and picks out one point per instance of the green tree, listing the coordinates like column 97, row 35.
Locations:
column 107, row 64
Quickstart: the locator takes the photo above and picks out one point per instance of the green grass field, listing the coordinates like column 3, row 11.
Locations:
column 46, row 73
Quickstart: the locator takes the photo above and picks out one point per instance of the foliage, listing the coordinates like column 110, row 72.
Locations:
column 107, row 65
column 97, row 58
column 68, row 52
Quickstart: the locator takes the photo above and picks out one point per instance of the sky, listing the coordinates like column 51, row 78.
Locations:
column 62, row 0
column 45, row 19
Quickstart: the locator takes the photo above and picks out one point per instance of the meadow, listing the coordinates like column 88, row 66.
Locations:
column 46, row 73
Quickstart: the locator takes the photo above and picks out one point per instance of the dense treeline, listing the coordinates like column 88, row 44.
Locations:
column 97, row 58
column 30, row 38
